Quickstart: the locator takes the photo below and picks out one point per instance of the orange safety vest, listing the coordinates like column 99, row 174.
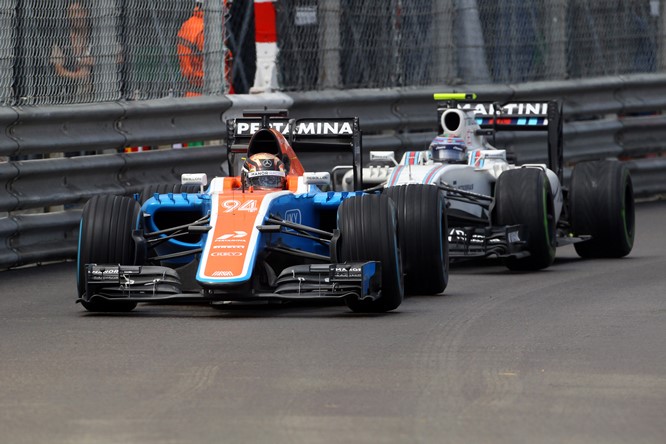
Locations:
column 190, row 53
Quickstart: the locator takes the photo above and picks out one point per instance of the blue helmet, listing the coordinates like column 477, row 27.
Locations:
column 448, row 149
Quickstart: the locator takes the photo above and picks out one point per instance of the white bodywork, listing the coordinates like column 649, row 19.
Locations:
column 484, row 165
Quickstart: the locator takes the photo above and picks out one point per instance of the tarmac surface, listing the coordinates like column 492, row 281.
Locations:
column 572, row 354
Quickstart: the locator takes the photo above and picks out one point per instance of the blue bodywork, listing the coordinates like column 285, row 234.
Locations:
column 316, row 209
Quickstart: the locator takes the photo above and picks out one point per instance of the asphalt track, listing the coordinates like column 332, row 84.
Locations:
column 572, row 354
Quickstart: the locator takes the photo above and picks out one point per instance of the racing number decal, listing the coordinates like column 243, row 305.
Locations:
column 232, row 237
column 232, row 204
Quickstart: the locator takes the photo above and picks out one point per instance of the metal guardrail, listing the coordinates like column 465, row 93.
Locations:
column 112, row 125
column 611, row 117
column 69, row 181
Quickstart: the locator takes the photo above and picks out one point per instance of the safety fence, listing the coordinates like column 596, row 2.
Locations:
column 85, row 51
column 609, row 117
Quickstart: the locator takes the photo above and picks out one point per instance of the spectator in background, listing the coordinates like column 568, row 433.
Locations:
column 72, row 57
column 190, row 51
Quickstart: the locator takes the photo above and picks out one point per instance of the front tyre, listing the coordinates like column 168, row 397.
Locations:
column 523, row 196
column 423, row 237
column 368, row 227
column 105, row 237
column 602, row 205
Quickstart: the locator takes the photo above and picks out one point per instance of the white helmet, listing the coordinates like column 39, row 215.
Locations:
column 448, row 149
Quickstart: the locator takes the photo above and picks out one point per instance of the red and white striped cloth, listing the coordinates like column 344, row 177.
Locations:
column 265, row 78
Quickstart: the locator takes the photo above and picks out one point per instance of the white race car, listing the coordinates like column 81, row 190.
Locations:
column 519, row 213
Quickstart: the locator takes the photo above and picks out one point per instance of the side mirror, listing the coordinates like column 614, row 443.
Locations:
column 200, row 179
column 322, row 178
column 383, row 156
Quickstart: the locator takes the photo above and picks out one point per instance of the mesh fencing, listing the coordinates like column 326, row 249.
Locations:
column 396, row 43
column 66, row 51
column 111, row 50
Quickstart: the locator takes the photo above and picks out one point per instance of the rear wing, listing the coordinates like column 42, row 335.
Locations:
column 513, row 116
column 318, row 135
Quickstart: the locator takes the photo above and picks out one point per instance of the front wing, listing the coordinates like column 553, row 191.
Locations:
column 479, row 242
column 143, row 283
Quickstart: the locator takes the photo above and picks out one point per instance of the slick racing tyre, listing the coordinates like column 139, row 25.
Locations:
column 368, row 227
column 422, row 236
column 523, row 196
column 105, row 237
column 602, row 205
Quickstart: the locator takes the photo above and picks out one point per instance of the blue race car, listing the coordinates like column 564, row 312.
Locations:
column 266, row 232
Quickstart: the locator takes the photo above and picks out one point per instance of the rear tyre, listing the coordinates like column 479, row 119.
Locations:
column 105, row 237
column 367, row 227
column 423, row 237
column 523, row 196
column 602, row 205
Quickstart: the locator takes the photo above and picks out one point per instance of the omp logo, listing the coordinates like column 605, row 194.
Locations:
column 293, row 216
column 236, row 235
column 227, row 253
column 321, row 128
column 222, row 274
column 215, row 247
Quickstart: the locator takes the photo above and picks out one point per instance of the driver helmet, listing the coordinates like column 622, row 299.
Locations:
column 448, row 149
column 264, row 171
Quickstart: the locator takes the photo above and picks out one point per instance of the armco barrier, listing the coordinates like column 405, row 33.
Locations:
column 43, row 183
column 103, row 126
column 611, row 117
column 34, row 238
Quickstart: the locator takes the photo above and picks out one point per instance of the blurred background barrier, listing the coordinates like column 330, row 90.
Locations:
column 85, row 85
column 85, row 51
column 610, row 117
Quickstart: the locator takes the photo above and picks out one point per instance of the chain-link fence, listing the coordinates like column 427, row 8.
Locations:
column 79, row 51
column 395, row 43
column 82, row 51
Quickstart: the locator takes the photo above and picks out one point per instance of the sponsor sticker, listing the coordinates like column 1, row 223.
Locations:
column 508, row 109
column 346, row 272
column 231, row 237
column 221, row 273
column 265, row 173
column 293, row 216
column 303, row 127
